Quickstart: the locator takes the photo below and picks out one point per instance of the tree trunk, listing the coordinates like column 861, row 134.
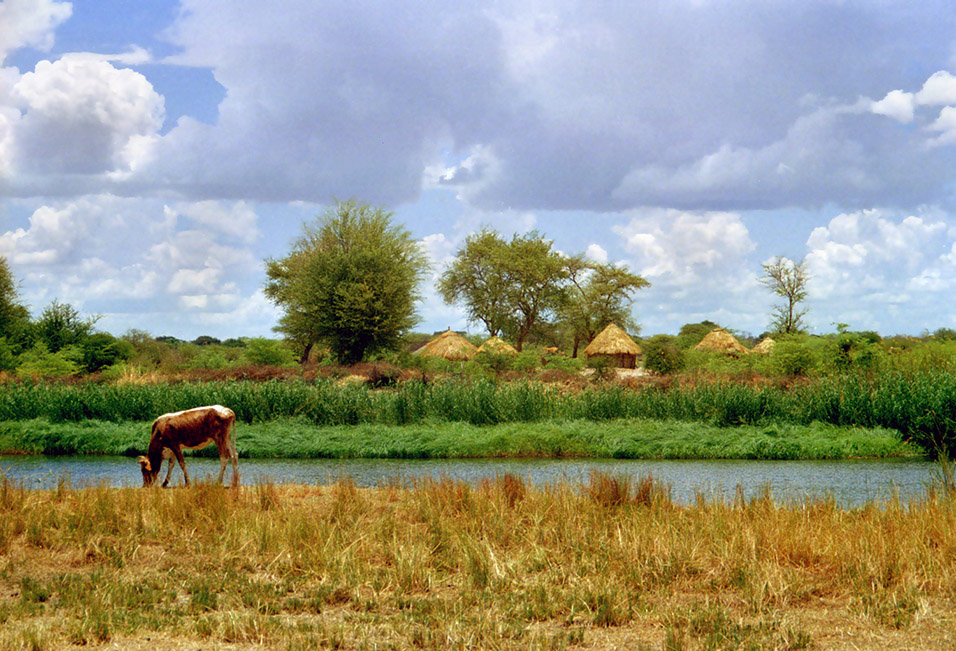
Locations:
column 305, row 354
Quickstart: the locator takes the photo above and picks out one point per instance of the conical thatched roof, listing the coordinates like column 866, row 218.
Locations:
column 612, row 341
column 449, row 345
column 497, row 346
column 764, row 347
column 721, row 341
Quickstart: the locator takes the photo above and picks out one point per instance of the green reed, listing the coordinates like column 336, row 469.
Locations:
column 921, row 406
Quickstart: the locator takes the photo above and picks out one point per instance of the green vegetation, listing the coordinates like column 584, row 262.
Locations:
column 621, row 439
column 607, row 564
column 350, row 283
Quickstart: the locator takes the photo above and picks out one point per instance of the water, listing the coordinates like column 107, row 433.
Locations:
column 850, row 483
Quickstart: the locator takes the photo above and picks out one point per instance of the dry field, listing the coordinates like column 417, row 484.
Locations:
column 606, row 565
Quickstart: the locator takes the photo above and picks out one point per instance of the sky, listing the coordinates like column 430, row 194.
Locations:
column 154, row 154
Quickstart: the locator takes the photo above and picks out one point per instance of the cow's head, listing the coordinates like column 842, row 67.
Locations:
column 149, row 476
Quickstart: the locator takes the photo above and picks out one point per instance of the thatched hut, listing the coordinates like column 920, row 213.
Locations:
column 765, row 347
column 497, row 346
column 614, row 345
column 719, row 340
column 450, row 345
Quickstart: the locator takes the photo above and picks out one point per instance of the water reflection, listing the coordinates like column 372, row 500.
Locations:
column 850, row 483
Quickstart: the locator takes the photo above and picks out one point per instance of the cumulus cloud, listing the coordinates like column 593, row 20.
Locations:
column 940, row 88
column 699, row 265
column 80, row 115
column 870, row 266
column 897, row 105
column 115, row 256
column 30, row 23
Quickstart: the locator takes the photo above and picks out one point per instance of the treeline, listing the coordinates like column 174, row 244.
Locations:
column 919, row 405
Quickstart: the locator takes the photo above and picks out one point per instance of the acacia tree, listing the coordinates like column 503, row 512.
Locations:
column 508, row 286
column 350, row 282
column 787, row 279
column 598, row 295
column 478, row 281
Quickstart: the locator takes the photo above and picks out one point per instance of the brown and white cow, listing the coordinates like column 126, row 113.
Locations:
column 192, row 429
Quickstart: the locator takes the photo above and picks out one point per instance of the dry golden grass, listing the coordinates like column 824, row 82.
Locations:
column 503, row 565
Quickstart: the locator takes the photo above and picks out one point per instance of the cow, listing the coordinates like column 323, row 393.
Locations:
column 193, row 429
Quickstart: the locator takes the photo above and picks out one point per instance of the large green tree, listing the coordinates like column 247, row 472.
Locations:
column 350, row 282
column 787, row 279
column 598, row 294
column 14, row 317
column 510, row 287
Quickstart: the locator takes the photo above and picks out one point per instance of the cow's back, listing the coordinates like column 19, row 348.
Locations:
column 193, row 428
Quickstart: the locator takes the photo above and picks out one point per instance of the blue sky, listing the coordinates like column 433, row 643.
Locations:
column 152, row 155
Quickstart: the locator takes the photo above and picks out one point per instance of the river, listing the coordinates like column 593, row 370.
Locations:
column 850, row 482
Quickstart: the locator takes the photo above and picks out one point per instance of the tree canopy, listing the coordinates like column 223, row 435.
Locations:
column 350, row 282
column 598, row 294
column 514, row 287
column 507, row 286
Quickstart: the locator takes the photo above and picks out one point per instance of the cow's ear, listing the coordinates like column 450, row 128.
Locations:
column 144, row 464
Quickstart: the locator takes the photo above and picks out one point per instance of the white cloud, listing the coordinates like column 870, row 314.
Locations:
column 945, row 124
column 237, row 219
column 30, row 23
column 698, row 264
column 109, row 255
column 83, row 116
column 686, row 248
column 940, row 88
column 871, row 260
column 897, row 105
column 596, row 252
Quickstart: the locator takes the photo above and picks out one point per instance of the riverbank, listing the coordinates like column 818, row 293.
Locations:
column 505, row 565
column 613, row 439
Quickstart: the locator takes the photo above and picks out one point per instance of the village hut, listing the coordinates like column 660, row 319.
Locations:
column 614, row 345
column 719, row 340
column 449, row 345
column 765, row 347
column 497, row 346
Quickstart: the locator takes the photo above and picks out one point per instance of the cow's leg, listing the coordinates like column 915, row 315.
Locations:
column 182, row 464
column 169, row 471
column 230, row 449
column 235, row 466
column 222, row 463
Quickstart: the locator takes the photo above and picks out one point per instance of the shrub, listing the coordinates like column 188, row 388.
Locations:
column 268, row 352
column 39, row 363
column 662, row 355
column 792, row 357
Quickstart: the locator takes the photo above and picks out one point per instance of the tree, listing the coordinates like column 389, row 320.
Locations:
column 599, row 294
column 350, row 282
column 60, row 326
column 478, row 281
column 14, row 317
column 510, row 287
column 787, row 279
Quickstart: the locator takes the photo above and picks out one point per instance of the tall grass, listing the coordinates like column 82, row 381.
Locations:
column 501, row 565
column 921, row 406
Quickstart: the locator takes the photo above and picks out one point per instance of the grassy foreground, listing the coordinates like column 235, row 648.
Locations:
column 621, row 439
column 444, row 565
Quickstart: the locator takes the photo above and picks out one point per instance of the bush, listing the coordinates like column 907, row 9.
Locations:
column 268, row 352
column 39, row 363
column 792, row 357
column 97, row 351
column 662, row 355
